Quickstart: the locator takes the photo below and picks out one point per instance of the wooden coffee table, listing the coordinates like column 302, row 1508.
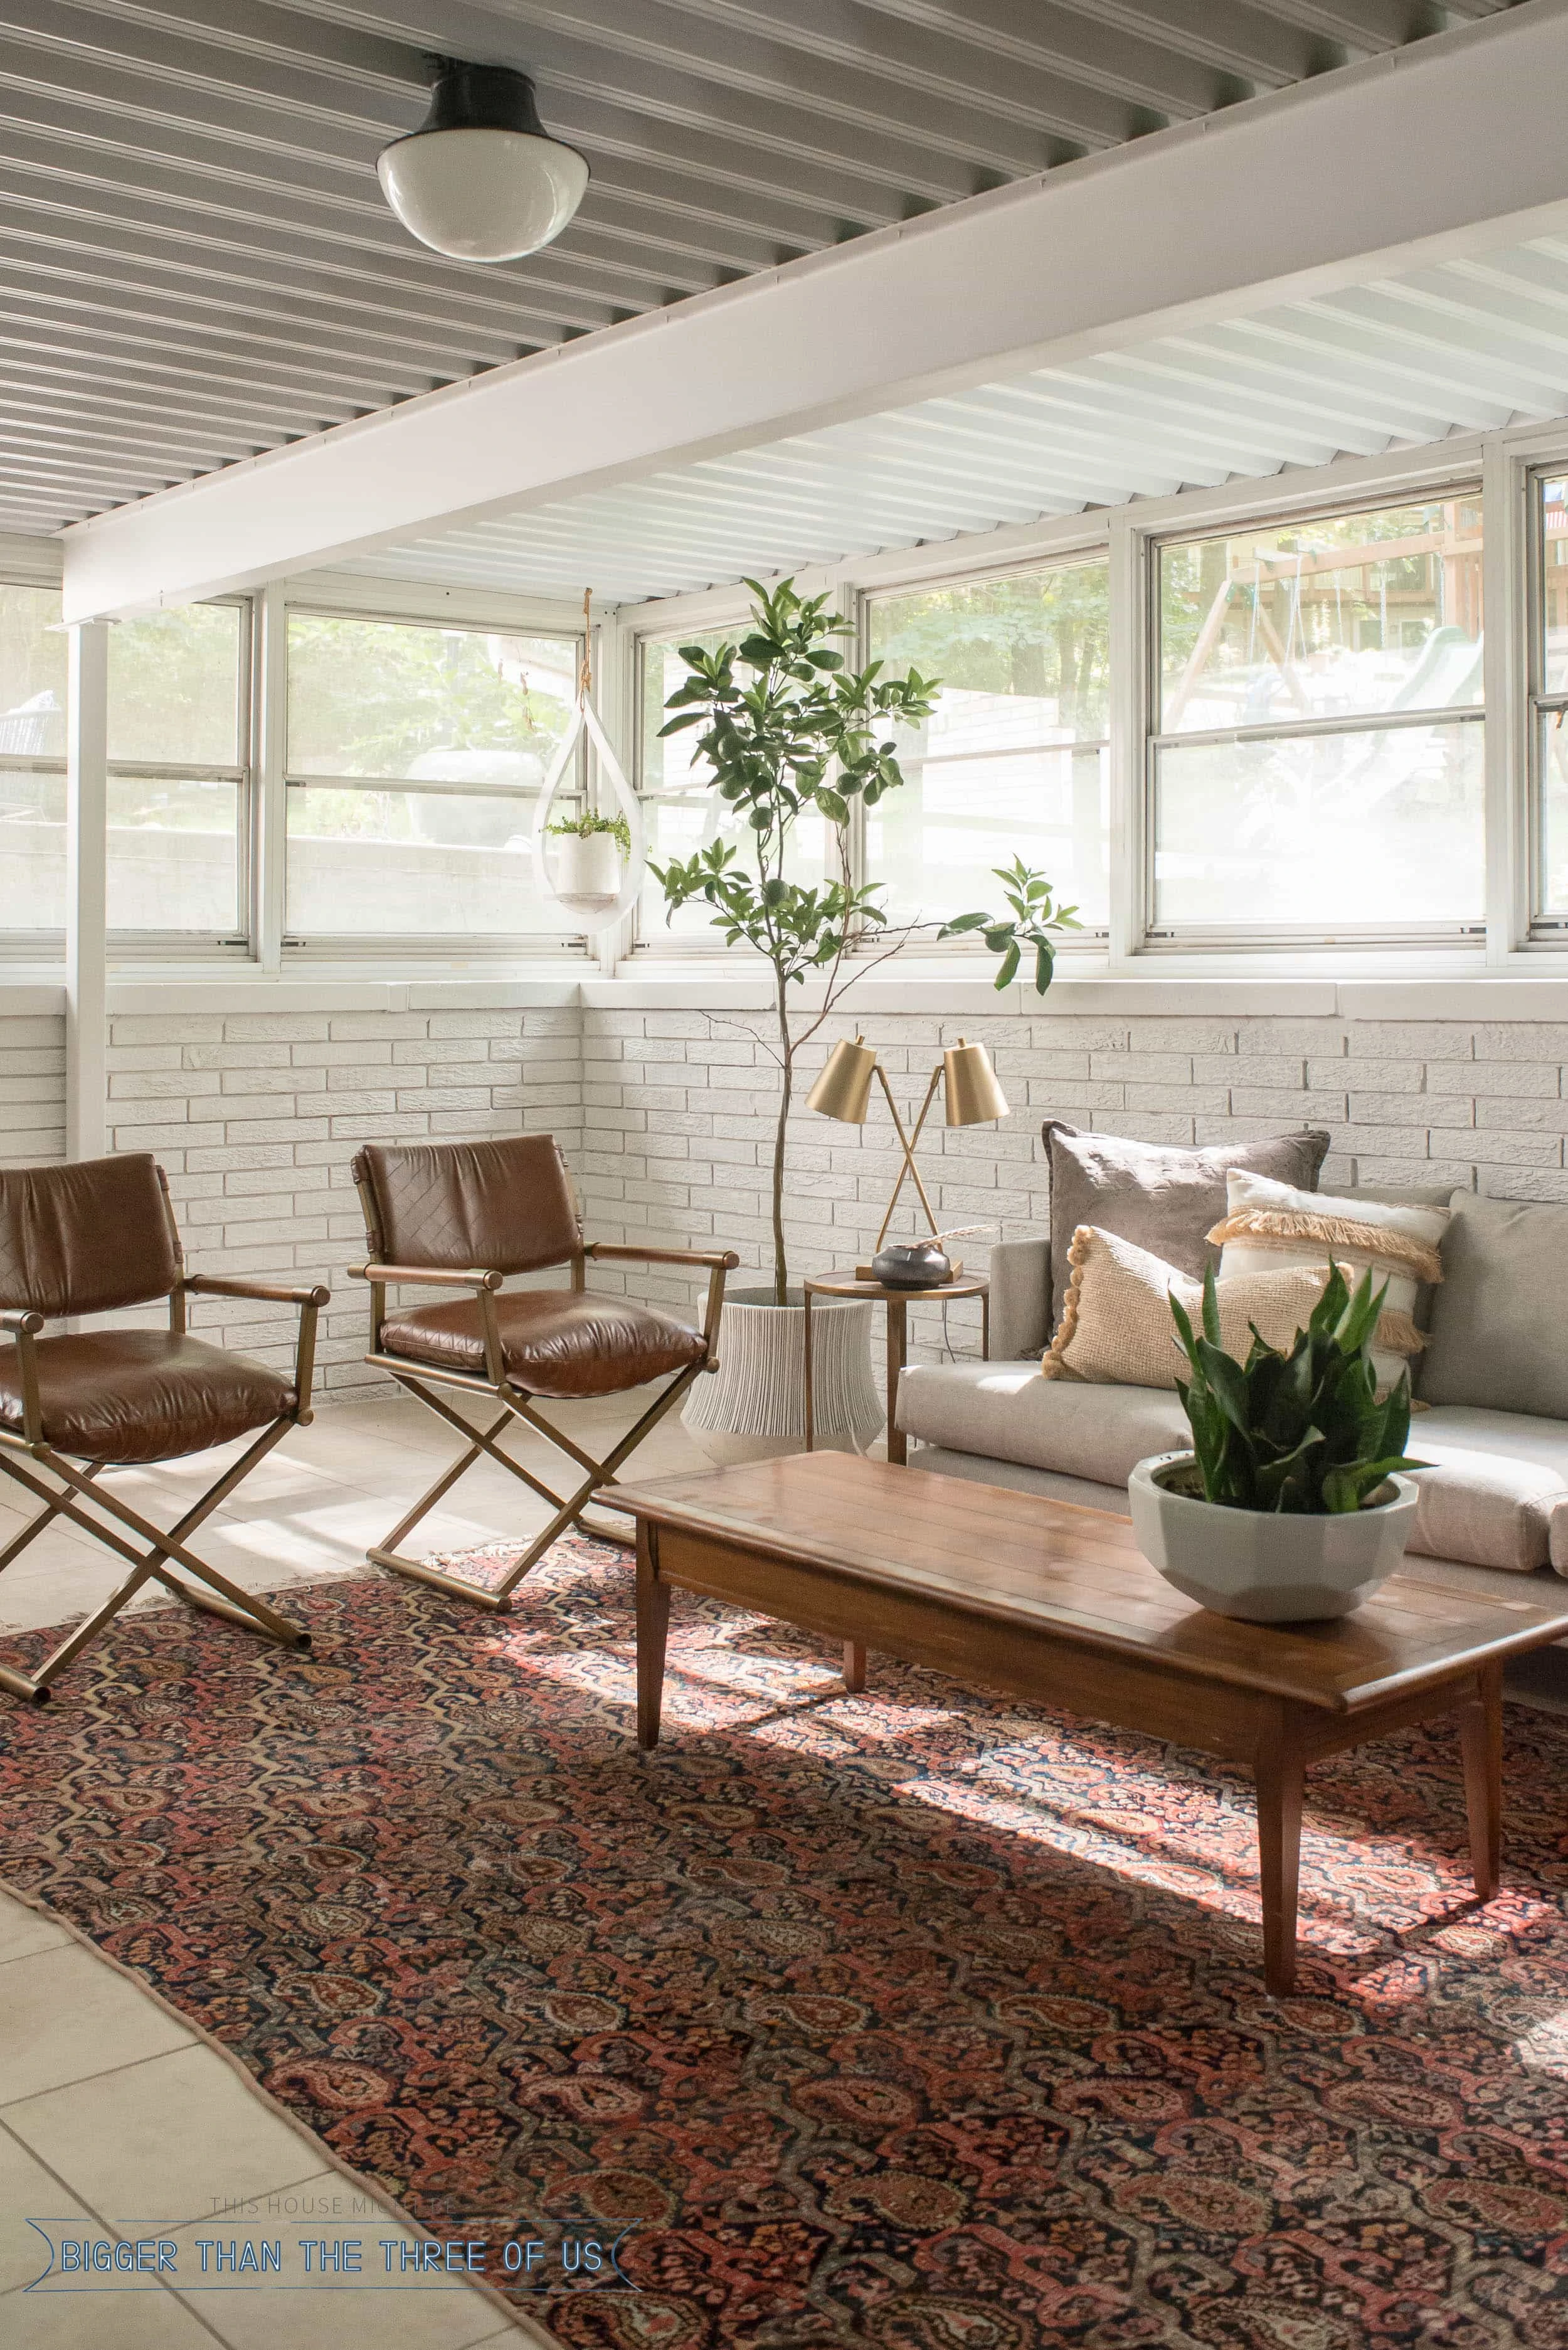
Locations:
column 1057, row 1604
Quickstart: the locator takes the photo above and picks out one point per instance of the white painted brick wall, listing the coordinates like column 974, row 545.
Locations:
column 666, row 1117
column 32, row 1090
column 677, row 1151
column 257, row 1117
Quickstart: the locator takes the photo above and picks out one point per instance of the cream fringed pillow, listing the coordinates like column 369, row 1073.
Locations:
column 1272, row 1224
column 1116, row 1329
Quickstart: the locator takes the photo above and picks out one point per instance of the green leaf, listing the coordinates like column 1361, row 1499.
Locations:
column 1010, row 961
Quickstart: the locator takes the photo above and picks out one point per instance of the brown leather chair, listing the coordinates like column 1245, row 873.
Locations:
column 96, row 1238
column 464, row 1215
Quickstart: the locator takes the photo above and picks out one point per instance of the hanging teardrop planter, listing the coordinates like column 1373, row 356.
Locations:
column 596, row 885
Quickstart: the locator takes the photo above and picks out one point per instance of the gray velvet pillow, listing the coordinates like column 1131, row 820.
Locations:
column 1157, row 1194
column 1499, row 1315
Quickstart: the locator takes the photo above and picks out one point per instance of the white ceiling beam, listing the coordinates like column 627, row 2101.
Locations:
column 1441, row 151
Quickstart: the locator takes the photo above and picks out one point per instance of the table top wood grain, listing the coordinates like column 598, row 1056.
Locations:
column 1051, row 1567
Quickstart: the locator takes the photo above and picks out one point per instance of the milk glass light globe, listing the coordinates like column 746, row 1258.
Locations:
column 482, row 179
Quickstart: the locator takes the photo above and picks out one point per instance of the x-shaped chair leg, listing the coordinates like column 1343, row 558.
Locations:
column 223, row 1598
column 568, row 1510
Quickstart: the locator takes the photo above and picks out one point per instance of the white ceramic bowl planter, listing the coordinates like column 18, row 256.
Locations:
column 753, row 1407
column 1264, row 1565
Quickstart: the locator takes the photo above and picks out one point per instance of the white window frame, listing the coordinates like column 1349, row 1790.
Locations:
column 22, row 567
column 1542, row 928
column 1156, row 938
column 721, row 609
column 197, row 946
column 415, row 604
column 1088, row 939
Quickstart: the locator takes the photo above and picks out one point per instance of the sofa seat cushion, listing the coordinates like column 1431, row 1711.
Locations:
column 557, row 1343
column 1495, row 1496
column 1497, row 1492
column 1009, row 1412
column 142, row 1395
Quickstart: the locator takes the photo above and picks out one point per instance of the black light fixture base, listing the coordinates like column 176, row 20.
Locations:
column 481, row 97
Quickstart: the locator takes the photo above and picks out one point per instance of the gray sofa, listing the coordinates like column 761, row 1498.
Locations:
column 1493, row 1508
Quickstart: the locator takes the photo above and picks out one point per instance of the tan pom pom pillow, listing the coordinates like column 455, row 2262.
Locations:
column 1116, row 1329
column 1272, row 1224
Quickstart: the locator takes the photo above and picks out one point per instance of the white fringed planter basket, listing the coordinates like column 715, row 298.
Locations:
column 753, row 1405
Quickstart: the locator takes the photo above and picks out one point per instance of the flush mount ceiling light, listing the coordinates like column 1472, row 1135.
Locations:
column 482, row 179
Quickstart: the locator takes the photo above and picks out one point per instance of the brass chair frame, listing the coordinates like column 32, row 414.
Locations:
column 167, row 1549
column 518, row 1405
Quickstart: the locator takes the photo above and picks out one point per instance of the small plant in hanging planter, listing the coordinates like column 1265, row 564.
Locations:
column 591, row 860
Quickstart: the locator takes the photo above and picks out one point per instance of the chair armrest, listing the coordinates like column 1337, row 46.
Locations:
column 1020, row 1299
column 271, row 1293
column 23, row 1327
column 386, row 1277
column 309, row 1301
column 609, row 1251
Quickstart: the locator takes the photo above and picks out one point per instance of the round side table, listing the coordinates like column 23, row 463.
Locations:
column 897, row 1302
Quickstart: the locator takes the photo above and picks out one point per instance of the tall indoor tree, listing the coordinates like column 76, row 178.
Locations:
column 788, row 727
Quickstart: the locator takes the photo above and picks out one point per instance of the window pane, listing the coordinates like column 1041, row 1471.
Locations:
column 174, row 854
column 679, row 828
column 414, row 864
column 32, row 674
column 1023, row 662
column 1322, row 832
column 173, row 690
column 378, row 698
column 936, row 844
column 1551, row 766
column 1323, row 619
column 32, row 851
column 1554, row 585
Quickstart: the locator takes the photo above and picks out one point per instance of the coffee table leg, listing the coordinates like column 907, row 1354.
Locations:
column 854, row 1665
column 652, row 1627
column 897, row 1347
column 1280, row 1773
column 1480, row 1730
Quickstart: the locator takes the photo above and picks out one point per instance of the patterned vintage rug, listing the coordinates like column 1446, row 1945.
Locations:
column 918, row 2020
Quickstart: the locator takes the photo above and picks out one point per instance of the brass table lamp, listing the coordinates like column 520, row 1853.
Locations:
column 972, row 1098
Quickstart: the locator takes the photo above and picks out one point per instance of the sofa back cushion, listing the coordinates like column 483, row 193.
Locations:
column 1160, row 1196
column 1500, row 1319
column 1116, row 1328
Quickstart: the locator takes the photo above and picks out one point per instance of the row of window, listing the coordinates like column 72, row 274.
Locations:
column 413, row 762
column 1315, row 727
column 1314, row 749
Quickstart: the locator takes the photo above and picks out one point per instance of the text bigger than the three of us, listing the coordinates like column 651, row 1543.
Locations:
column 574, row 2256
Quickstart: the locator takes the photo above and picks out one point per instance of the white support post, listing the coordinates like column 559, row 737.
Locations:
column 269, row 705
column 1129, row 655
column 87, row 909
column 614, row 705
column 1507, row 574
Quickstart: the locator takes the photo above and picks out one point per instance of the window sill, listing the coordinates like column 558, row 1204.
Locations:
column 1528, row 986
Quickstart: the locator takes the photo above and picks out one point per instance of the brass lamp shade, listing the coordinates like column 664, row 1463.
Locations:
column 972, row 1095
column 844, row 1089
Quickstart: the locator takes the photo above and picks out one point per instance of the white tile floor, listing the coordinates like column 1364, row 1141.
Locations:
column 113, row 2116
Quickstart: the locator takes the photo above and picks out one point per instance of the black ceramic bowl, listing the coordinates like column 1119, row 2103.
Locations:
column 922, row 1267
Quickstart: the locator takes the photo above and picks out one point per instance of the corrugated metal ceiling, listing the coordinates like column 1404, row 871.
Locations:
column 196, row 264
column 1469, row 346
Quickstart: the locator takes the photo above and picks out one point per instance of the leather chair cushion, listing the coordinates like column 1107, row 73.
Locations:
column 504, row 1206
column 88, row 1238
column 142, row 1395
column 556, row 1341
